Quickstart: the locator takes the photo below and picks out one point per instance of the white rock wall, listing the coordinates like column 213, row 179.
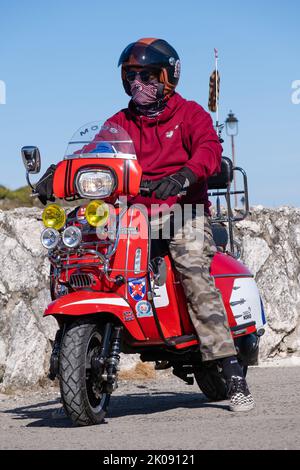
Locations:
column 271, row 249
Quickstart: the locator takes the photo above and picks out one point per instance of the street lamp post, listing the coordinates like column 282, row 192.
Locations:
column 232, row 131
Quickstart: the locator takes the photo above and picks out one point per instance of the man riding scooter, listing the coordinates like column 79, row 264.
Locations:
column 178, row 150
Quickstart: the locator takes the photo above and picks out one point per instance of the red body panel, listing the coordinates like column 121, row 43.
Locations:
column 86, row 303
column 225, row 264
column 174, row 318
column 128, row 175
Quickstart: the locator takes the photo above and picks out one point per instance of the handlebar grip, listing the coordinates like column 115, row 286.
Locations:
column 149, row 192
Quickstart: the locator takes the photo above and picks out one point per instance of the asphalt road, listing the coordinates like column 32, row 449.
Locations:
column 163, row 414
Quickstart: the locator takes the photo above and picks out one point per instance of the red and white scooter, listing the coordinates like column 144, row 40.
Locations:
column 114, row 291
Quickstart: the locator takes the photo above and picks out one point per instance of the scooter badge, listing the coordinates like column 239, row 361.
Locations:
column 137, row 288
column 143, row 309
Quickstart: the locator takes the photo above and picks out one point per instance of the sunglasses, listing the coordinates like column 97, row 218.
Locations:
column 145, row 75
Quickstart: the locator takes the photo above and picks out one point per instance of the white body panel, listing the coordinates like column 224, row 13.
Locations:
column 245, row 302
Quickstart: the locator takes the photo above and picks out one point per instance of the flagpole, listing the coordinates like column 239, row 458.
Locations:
column 217, row 91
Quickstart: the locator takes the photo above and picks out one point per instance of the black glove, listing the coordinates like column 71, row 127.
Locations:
column 44, row 187
column 173, row 184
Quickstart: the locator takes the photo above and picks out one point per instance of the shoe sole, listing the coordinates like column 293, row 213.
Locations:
column 242, row 408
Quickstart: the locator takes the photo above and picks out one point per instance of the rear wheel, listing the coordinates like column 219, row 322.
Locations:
column 211, row 381
column 83, row 393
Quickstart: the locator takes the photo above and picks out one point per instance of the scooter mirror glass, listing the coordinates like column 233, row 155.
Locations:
column 31, row 159
column 100, row 140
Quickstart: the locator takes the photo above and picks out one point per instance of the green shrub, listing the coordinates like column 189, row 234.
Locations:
column 19, row 196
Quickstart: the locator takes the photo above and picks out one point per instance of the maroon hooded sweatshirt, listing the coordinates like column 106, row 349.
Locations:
column 182, row 135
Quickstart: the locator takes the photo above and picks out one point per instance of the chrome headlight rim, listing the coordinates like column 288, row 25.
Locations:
column 107, row 171
column 55, row 234
column 78, row 239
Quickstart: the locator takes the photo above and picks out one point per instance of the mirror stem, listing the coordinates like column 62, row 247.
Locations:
column 28, row 181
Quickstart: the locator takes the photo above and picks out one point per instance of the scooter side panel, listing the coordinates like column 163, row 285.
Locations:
column 239, row 292
column 225, row 264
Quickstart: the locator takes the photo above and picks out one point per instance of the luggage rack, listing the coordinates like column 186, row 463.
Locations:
column 220, row 185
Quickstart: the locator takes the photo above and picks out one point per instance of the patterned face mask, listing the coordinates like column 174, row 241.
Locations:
column 144, row 94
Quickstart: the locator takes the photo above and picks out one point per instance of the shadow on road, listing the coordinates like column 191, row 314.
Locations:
column 126, row 405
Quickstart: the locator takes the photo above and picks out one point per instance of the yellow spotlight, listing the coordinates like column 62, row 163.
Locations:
column 97, row 213
column 54, row 216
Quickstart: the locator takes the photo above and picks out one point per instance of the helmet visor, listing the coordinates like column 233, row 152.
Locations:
column 142, row 55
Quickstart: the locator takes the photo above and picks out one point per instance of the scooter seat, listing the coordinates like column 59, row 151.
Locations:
column 223, row 179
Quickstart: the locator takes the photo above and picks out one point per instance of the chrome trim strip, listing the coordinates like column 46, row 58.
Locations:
column 122, row 156
column 100, row 142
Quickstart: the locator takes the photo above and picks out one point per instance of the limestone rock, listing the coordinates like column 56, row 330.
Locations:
column 272, row 253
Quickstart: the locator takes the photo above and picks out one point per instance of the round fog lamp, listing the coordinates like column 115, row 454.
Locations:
column 54, row 216
column 49, row 238
column 72, row 236
column 97, row 213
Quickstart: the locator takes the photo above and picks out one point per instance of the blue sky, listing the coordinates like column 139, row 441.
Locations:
column 58, row 60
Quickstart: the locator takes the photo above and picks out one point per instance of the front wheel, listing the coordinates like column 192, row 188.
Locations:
column 83, row 393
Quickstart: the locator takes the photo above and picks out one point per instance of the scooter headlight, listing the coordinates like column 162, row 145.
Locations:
column 49, row 238
column 95, row 183
column 72, row 236
column 54, row 216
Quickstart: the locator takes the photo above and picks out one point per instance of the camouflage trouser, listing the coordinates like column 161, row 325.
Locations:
column 192, row 252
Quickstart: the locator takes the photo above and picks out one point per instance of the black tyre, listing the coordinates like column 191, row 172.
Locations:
column 211, row 382
column 83, row 395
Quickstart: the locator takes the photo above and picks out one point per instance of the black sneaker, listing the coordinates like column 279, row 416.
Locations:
column 240, row 397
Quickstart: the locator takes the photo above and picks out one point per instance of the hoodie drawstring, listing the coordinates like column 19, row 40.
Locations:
column 141, row 137
column 157, row 134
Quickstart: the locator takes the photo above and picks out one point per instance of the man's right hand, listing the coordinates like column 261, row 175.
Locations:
column 44, row 187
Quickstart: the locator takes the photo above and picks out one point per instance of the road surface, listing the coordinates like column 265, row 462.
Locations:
column 163, row 414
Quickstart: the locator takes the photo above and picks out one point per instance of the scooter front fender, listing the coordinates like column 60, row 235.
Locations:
column 89, row 303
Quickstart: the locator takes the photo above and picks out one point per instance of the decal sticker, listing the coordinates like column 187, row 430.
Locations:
column 245, row 302
column 143, row 309
column 161, row 298
column 128, row 316
column 177, row 69
column 137, row 288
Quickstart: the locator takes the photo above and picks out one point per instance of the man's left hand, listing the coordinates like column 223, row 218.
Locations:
column 172, row 185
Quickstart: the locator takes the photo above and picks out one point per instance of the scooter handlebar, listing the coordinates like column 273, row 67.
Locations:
column 145, row 190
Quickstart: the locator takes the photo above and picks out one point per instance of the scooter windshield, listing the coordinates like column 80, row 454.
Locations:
column 100, row 140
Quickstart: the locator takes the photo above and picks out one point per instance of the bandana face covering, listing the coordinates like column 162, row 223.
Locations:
column 145, row 98
column 144, row 94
